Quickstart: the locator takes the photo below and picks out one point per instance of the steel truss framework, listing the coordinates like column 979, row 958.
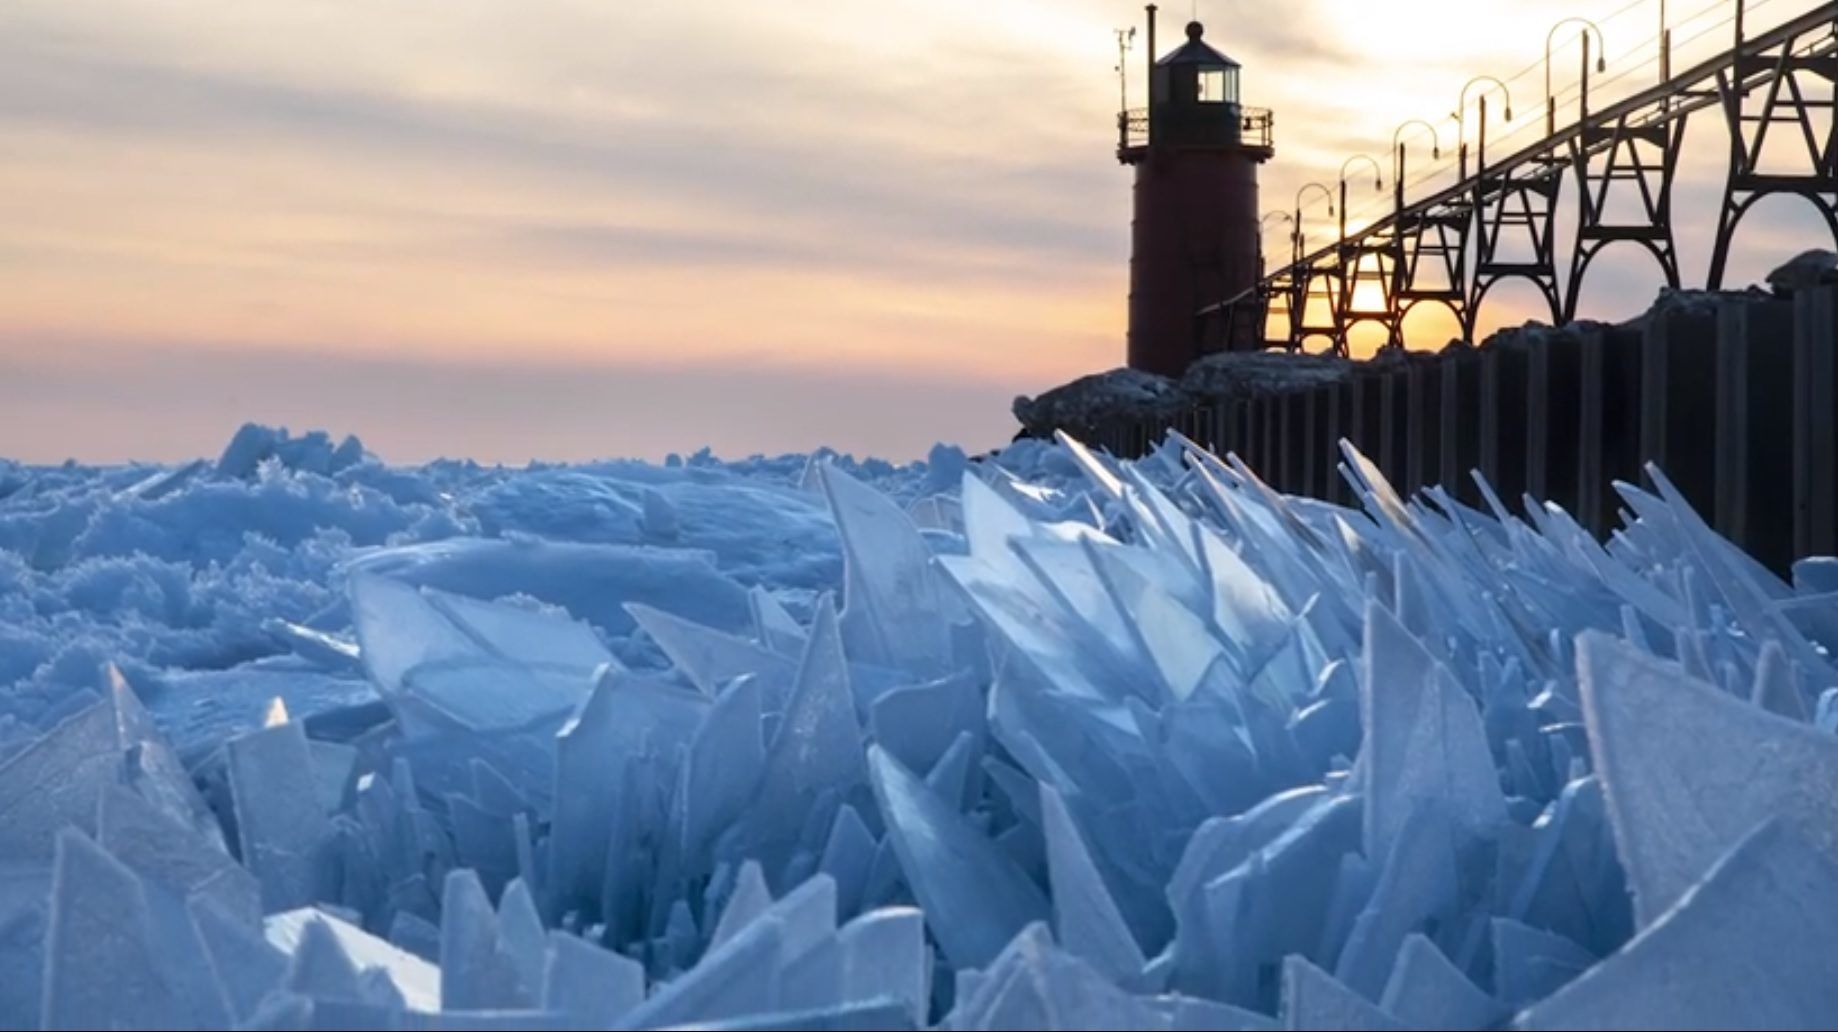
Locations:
column 1778, row 93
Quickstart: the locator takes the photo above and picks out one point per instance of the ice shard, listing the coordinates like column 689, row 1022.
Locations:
column 1085, row 916
column 1313, row 999
column 1423, row 739
column 1427, row 991
column 1678, row 762
column 1748, row 946
column 974, row 897
column 895, row 612
column 101, row 968
column 283, row 832
column 593, row 987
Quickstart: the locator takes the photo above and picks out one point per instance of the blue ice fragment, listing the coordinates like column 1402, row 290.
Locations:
column 917, row 723
column 1271, row 905
column 1678, row 761
column 520, row 929
column 483, row 1021
column 56, row 781
column 1085, row 916
column 1034, row 984
column 749, row 899
column 1777, row 685
column 1188, row 1014
column 974, row 897
column 1216, row 847
column 1749, row 946
column 593, row 582
column 476, row 973
column 1419, row 883
column 593, row 987
column 742, row 975
column 723, row 769
column 869, row 1016
column 711, row 658
column 895, row 607
column 490, row 695
column 398, row 629
column 1423, row 739
column 950, row 779
column 538, row 639
column 320, row 969
column 773, row 625
column 631, row 727
column 241, row 961
column 283, row 832
column 1529, row 963
column 817, row 749
column 1313, row 999
column 1572, row 882
column 1426, row 990
column 848, row 857
column 415, row 934
column 413, row 982
column 101, row 968
column 164, row 852
column 885, row 956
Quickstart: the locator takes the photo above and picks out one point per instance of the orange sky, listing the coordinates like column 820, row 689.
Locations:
column 571, row 228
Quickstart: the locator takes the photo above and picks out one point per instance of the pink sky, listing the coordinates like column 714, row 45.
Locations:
column 573, row 228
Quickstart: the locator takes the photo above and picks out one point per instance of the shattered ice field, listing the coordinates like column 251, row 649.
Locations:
column 293, row 738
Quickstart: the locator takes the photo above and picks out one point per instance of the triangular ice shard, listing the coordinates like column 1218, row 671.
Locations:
column 417, row 981
column 592, row 986
column 1423, row 739
column 1085, row 916
column 162, row 851
column 723, row 769
column 711, row 658
column 475, row 972
column 885, row 956
column 817, row 748
column 1678, row 760
column 975, row 899
column 1427, row 991
column 1312, row 999
column 101, row 968
column 283, row 831
column 1749, row 946
column 1530, row 963
column 895, row 610
column 745, row 904
column 241, row 960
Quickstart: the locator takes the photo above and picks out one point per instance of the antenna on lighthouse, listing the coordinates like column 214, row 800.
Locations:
column 1126, row 39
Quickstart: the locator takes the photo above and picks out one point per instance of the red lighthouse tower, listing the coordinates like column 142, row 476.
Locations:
column 1195, row 149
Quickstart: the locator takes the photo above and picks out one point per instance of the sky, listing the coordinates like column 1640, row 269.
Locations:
column 566, row 229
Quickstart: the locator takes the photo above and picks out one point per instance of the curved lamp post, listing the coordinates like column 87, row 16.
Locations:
column 1378, row 185
column 1300, row 194
column 1460, row 114
column 1601, row 65
column 1397, row 154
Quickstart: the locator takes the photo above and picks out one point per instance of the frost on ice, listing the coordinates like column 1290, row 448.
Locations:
column 1040, row 740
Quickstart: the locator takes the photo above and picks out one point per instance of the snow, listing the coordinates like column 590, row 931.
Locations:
column 1035, row 739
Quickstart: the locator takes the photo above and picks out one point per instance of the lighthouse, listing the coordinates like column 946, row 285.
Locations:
column 1194, row 240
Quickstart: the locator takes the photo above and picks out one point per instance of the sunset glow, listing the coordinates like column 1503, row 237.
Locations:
column 910, row 202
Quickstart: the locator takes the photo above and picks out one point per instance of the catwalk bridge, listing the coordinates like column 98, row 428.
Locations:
column 1771, row 76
